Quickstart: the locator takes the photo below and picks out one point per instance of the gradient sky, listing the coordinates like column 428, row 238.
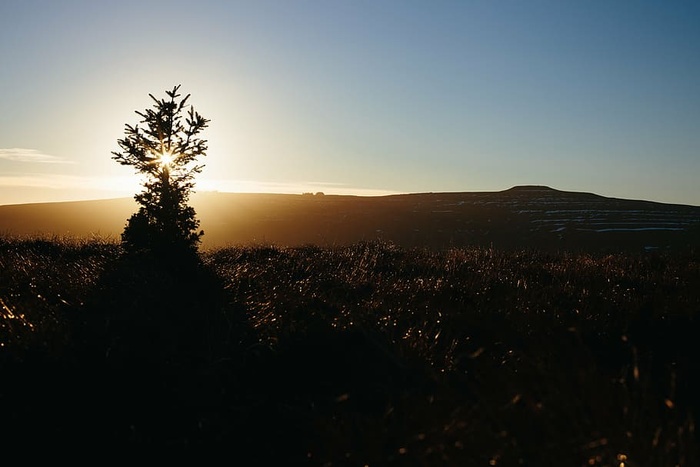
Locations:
column 359, row 97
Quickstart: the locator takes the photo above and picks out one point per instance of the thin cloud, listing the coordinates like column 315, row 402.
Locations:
column 45, row 187
column 251, row 186
column 33, row 156
column 122, row 185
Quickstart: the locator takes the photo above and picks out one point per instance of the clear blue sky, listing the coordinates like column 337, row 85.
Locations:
column 363, row 97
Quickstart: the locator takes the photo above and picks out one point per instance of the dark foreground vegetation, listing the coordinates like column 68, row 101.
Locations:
column 368, row 354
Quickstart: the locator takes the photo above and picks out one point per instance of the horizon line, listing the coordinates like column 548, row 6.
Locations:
column 368, row 194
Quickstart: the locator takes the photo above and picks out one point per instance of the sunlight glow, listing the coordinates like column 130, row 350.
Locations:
column 165, row 159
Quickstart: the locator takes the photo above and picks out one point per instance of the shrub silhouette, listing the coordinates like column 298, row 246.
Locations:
column 164, row 150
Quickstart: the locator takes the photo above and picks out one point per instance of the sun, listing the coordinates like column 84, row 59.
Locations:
column 165, row 159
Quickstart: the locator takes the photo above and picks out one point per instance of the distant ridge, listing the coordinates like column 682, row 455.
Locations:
column 521, row 217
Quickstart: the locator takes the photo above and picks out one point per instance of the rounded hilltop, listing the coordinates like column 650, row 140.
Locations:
column 531, row 188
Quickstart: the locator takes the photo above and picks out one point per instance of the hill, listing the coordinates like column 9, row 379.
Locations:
column 520, row 217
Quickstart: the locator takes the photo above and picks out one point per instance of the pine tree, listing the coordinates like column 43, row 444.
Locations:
column 164, row 150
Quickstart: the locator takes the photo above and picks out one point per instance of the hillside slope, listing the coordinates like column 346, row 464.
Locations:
column 521, row 217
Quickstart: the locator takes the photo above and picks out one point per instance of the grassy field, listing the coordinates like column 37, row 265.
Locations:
column 368, row 354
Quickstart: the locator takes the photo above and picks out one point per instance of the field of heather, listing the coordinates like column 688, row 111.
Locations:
column 366, row 354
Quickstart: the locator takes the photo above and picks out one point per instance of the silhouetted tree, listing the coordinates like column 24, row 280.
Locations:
column 164, row 149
